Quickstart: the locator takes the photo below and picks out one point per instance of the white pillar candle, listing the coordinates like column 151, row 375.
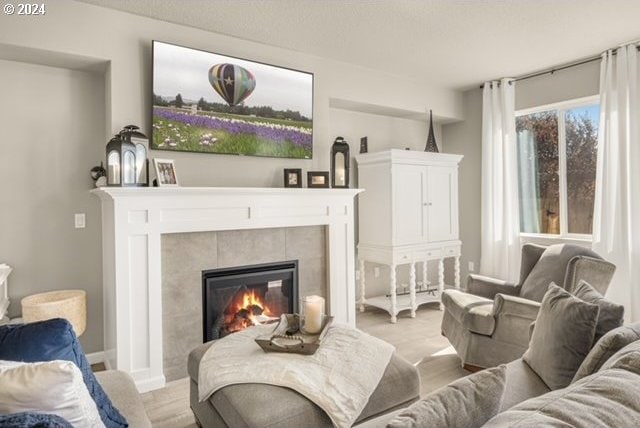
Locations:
column 313, row 312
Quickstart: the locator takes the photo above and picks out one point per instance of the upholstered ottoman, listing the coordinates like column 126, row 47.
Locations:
column 259, row 406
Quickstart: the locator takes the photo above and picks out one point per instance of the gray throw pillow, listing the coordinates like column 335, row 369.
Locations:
column 467, row 402
column 608, row 345
column 562, row 338
column 551, row 267
column 611, row 315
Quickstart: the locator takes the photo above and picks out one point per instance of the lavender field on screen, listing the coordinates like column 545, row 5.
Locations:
column 183, row 130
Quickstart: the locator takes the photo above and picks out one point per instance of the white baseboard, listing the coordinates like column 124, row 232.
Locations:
column 96, row 357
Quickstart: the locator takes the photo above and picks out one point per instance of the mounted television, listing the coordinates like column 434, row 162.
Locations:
column 209, row 103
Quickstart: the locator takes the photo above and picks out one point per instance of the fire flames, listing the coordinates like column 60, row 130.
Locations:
column 250, row 310
column 251, row 300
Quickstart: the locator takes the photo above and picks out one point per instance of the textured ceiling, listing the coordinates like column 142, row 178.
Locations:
column 452, row 43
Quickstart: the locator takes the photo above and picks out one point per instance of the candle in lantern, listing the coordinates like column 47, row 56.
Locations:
column 313, row 314
column 113, row 168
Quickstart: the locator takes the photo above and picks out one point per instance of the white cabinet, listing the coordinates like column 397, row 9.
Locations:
column 408, row 214
column 409, row 191
column 442, row 203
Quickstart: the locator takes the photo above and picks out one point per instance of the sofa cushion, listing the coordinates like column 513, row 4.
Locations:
column 522, row 383
column 475, row 313
column 55, row 340
column 54, row 387
column 551, row 267
column 621, row 358
column 33, row 420
column 609, row 398
column 611, row 314
column 562, row 337
column 607, row 346
column 125, row 396
column 467, row 402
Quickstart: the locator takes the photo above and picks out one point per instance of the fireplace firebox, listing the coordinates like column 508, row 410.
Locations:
column 239, row 297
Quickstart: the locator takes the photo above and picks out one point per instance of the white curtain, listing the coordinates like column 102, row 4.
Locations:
column 616, row 219
column 500, row 222
column 529, row 188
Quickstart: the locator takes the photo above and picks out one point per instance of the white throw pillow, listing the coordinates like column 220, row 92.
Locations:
column 54, row 387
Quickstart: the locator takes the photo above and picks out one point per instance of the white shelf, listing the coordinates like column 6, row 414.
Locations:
column 403, row 302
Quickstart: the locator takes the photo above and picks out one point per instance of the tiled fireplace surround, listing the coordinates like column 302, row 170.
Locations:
column 186, row 255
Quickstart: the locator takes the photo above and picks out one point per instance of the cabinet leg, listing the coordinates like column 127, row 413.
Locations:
column 424, row 275
column 457, row 272
column 362, row 285
column 412, row 289
column 392, row 292
column 441, row 281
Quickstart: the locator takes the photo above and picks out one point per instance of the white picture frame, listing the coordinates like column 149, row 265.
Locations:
column 165, row 172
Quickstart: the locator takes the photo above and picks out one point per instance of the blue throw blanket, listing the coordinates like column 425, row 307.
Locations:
column 55, row 340
column 32, row 420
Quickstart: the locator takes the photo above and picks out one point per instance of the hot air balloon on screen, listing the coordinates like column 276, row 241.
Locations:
column 232, row 82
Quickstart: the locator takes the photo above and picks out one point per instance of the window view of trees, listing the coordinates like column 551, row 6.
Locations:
column 582, row 146
column 557, row 170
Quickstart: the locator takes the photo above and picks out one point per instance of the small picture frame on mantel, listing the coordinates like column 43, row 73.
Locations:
column 292, row 177
column 165, row 172
column 318, row 179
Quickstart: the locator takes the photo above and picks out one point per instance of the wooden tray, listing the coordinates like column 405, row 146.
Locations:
column 296, row 342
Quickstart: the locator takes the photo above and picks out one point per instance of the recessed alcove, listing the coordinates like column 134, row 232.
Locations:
column 54, row 131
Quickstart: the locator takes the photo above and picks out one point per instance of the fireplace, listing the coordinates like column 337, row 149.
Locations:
column 239, row 297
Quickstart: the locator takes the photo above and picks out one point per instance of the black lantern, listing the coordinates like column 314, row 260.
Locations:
column 127, row 163
column 340, row 163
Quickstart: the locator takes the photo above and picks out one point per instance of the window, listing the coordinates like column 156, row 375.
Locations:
column 557, row 148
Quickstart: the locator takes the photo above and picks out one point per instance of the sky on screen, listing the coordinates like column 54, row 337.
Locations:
column 183, row 70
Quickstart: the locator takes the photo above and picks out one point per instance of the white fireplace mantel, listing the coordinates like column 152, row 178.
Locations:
column 133, row 219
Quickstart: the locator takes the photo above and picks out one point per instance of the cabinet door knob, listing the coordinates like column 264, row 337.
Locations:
column 427, row 204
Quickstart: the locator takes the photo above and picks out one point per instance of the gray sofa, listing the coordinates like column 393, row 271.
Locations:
column 488, row 325
column 262, row 406
column 605, row 392
column 124, row 395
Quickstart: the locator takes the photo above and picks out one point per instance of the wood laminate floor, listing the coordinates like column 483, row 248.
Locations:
column 418, row 340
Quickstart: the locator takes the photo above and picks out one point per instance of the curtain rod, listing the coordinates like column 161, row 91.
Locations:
column 557, row 68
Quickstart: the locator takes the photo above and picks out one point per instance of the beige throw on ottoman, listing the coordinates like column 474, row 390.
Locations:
column 339, row 378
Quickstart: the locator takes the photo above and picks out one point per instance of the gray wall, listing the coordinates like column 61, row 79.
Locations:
column 466, row 138
column 57, row 123
column 52, row 120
